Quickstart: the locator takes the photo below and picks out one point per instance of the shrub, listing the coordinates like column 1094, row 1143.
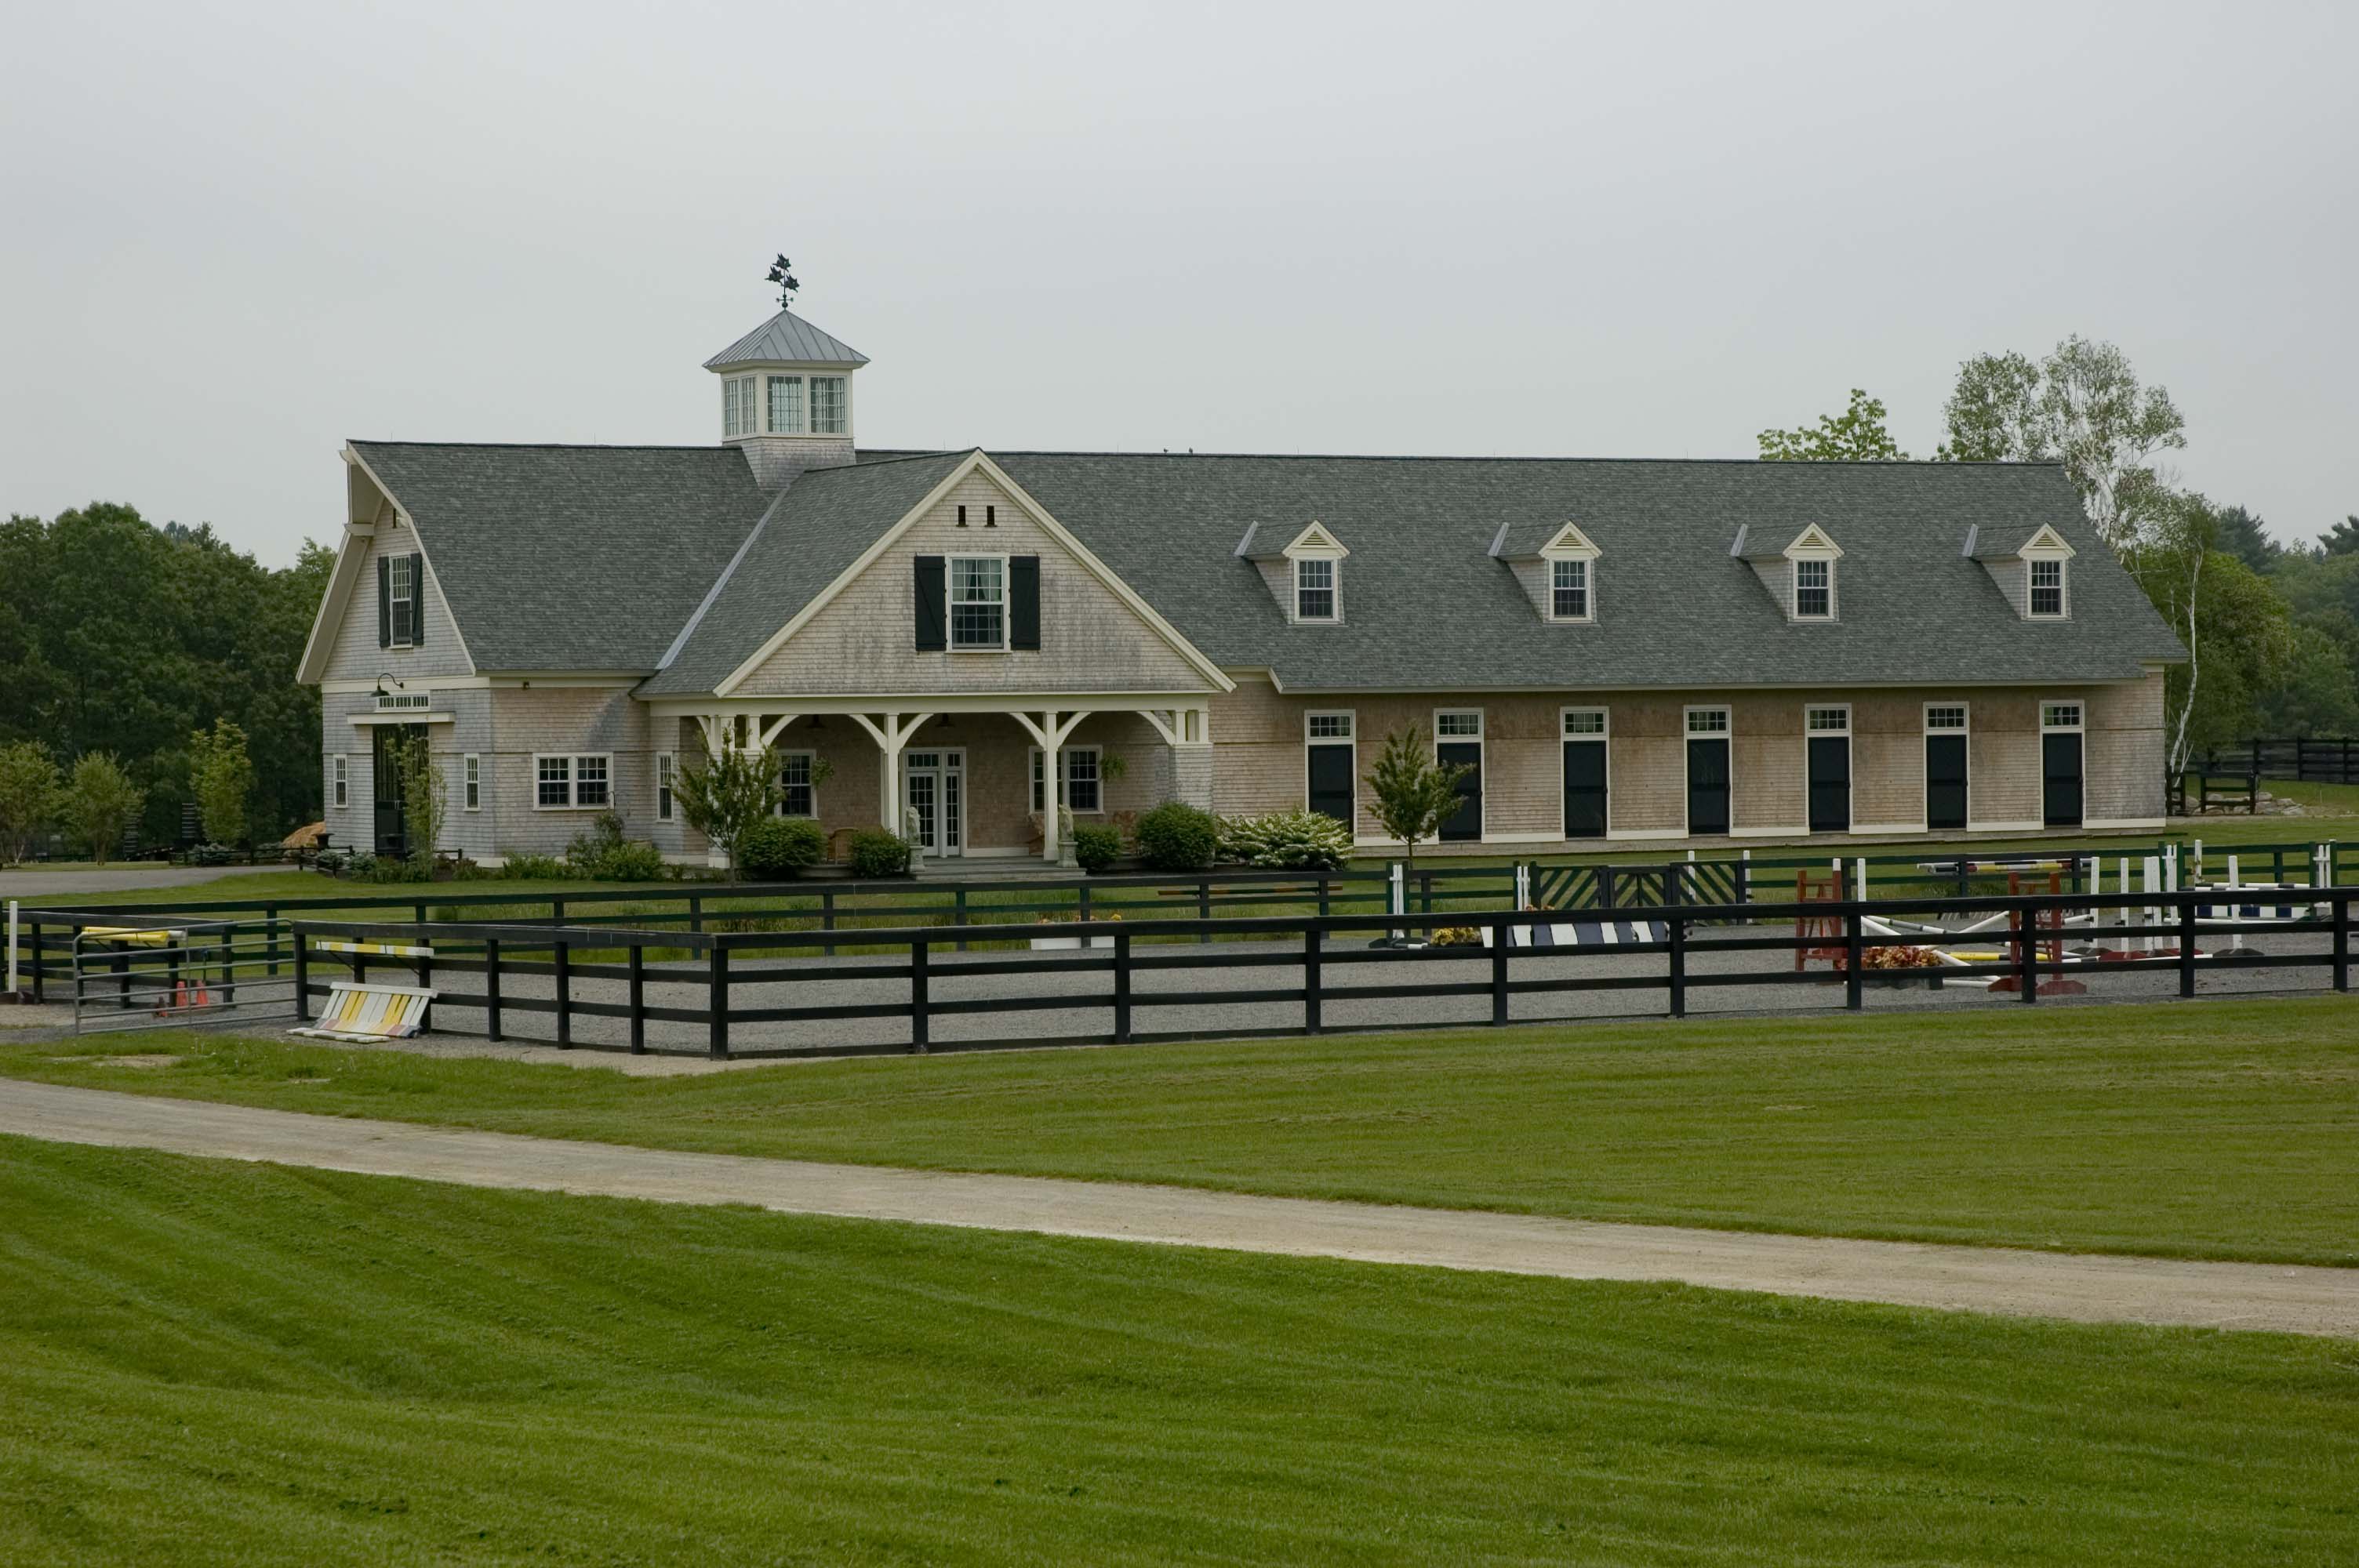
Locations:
column 876, row 853
column 1179, row 837
column 603, row 855
column 778, row 846
column 212, row 855
column 1096, row 848
column 1288, row 841
column 335, row 863
column 392, row 868
column 533, row 869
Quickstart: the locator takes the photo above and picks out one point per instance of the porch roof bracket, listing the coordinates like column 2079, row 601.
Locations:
column 770, row 732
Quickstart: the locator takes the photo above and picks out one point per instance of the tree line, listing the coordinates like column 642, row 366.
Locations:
column 145, row 668
column 2272, row 631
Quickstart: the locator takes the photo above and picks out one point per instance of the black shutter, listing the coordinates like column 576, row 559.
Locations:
column 1024, row 601
column 931, row 588
column 417, row 601
column 384, row 602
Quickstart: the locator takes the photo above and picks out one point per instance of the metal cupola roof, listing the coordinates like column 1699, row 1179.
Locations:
column 786, row 339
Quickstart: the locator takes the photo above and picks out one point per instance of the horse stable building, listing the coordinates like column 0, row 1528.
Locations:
column 1672, row 653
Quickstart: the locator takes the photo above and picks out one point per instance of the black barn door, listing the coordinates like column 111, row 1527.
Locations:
column 1330, row 782
column 1708, row 785
column 1466, row 822
column 2059, row 759
column 384, row 786
column 1945, row 782
column 1584, row 789
column 1830, row 783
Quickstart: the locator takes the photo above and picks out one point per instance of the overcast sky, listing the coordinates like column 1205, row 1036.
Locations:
column 232, row 237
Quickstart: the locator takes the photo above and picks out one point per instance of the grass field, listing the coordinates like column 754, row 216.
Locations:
column 2217, row 1128
column 213, row 1363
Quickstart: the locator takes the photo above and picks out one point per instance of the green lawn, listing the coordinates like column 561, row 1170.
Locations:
column 2226, row 1128
column 210, row 1362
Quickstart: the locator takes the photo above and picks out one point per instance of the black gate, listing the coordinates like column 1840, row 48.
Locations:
column 1466, row 822
column 1708, row 785
column 1945, row 782
column 1830, row 783
column 2059, row 756
column 1584, row 789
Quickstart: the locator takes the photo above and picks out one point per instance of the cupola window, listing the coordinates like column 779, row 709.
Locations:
column 737, row 409
column 827, row 406
column 786, row 405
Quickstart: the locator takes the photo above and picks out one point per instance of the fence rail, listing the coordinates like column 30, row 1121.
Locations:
column 738, row 977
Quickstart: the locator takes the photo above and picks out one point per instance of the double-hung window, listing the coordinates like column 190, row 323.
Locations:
column 798, row 790
column 737, row 408
column 1314, row 589
column 786, row 400
column 2047, row 589
column 1814, row 590
column 339, row 783
column 576, row 781
column 1569, row 591
column 470, row 782
column 664, row 763
column 1082, row 776
column 401, row 594
column 978, row 586
column 827, row 406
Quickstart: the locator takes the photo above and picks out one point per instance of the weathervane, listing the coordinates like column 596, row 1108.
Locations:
column 782, row 274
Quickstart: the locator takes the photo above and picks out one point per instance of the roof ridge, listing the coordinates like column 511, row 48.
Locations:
column 546, row 446
column 1503, row 458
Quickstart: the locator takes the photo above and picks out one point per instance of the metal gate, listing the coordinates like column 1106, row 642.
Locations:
column 182, row 973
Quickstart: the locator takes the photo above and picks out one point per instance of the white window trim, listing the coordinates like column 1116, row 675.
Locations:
column 340, row 784
column 573, row 761
column 1036, row 778
column 2079, row 726
column 1964, row 732
column 2063, row 585
column 667, row 786
column 1604, row 737
column 1334, row 589
column 1480, row 740
column 1729, row 735
column 811, row 757
column 1851, row 759
column 1350, row 715
column 1794, row 588
column 1006, row 604
column 755, row 413
column 407, row 564
column 1587, row 561
column 470, row 782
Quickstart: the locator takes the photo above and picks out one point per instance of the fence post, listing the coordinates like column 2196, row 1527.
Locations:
column 557, row 911
column 716, row 1000
column 2342, row 944
column 491, row 982
column 423, row 941
column 827, row 917
column 40, row 965
column 564, row 996
column 1500, row 937
column 1122, row 986
column 638, row 999
column 271, row 927
column 1677, row 929
column 1082, row 902
column 12, row 948
column 958, row 910
column 1310, row 936
column 302, row 982
column 1605, row 888
column 2186, row 943
column 919, row 1034
column 1744, row 876
column 1852, row 986
column 1203, row 906
column 696, row 914
column 1323, row 901
column 2026, row 955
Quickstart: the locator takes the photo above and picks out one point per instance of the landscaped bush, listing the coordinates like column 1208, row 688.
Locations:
column 1288, row 841
column 391, row 868
column 604, row 855
column 335, row 863
column 876, row 853
column 533, row 869
column 1179, row 837
column 1096, row 848
column 212, row 855
column 778, row 846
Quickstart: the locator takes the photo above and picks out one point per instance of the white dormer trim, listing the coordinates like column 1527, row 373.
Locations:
column 1571, row 545
column 1316, row 542
column 1812, row 544
column 1811, row 547
column 2048, row 543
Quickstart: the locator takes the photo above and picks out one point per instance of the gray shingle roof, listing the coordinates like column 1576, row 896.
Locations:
column 786, row 339
column 571, row 557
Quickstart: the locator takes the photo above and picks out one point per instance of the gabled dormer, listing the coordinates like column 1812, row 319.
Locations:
column 1800, row 573
column 1557, row 566
column 2036, row 576
column 1305, row 574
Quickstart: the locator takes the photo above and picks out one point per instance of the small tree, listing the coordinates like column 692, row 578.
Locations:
column 1857, row 435
column 1415, row 794
column 30, row 788
column 99, row 801
column 223, row 777
column 727, row 795
column 424, row 794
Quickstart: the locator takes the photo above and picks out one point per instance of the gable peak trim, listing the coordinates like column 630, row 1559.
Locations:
column 1315, row 540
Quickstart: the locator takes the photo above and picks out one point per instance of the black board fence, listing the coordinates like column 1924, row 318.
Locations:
column 732, row 985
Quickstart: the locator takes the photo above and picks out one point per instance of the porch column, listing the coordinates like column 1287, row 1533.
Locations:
column 1050, row 731
column 891, row 732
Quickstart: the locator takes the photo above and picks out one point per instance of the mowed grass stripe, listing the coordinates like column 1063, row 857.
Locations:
column 212, row 1362
column 2220, row 1129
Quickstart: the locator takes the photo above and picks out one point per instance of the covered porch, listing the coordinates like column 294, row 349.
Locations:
column 968, row 778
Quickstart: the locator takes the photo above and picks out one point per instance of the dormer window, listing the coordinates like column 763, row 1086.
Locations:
column 1569, row 589
column 1814, row 590
column 1314, row 589
column 2047, row 589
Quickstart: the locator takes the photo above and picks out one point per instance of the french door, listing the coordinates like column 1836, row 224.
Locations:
column 933, row 794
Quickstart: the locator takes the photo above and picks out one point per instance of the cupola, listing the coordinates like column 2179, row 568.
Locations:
column 786, row 398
